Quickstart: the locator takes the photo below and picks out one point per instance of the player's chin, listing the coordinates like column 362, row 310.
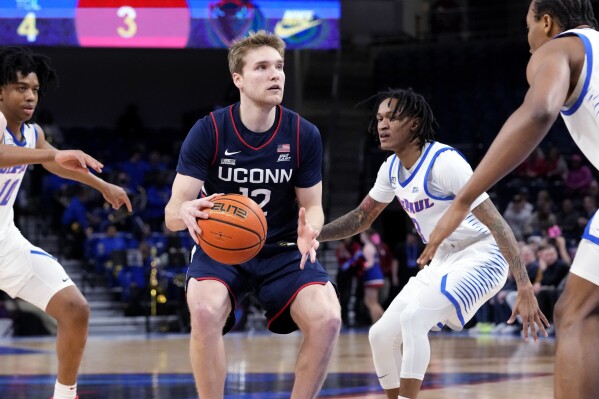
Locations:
column 275, row 98
column 386, row 146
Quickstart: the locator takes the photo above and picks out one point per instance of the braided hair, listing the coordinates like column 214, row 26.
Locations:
column 25, row 61
column 568, row 13
column 409, row 105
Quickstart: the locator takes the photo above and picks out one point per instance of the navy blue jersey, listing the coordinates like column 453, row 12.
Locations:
column 266, row 167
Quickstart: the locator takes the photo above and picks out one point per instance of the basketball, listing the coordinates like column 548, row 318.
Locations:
column 235, row 230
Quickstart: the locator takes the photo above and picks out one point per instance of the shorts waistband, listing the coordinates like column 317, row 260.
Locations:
column 454, row 246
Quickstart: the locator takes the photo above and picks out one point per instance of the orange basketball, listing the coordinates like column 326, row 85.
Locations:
column 235, row 231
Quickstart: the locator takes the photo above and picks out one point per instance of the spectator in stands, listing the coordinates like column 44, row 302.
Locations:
column 567, row 218
column 541, row 219
column 536, row 167
column 518, row 215
column 136, row 167
column 579, row 176
column 557, row 167
column 553, row 270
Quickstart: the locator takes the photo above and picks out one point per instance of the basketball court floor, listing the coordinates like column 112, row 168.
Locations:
column 260, row 366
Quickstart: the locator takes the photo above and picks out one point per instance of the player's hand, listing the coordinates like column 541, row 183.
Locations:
column 450, row 221
column 306, row 239
column 77, row 161
column 528, row 308
column 191, row 211
column 116, row 196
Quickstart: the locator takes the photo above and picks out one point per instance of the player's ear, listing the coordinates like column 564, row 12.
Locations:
column 237, row 80
column 549, row 24
column 415, row 125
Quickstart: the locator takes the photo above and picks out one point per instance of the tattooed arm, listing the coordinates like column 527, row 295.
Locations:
column 352, row 222
column 526, row 305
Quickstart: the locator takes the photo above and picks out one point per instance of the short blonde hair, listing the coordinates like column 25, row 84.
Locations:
column 239, row 48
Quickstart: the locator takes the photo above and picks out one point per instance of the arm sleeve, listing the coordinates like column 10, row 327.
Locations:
column 382, row 191
column 198, row 150
column 449, row 174
column 310, row 162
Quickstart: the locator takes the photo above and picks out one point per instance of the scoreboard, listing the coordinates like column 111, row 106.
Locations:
column 306, row 24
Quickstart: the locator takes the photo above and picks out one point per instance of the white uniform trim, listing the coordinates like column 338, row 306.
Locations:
column 581, row 116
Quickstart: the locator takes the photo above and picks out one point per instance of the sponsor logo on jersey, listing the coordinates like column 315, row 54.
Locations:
column 284, row 158
column 415, row 189
column 227, row 161
column 229, row 153
column 415, row 207
column 242, row 175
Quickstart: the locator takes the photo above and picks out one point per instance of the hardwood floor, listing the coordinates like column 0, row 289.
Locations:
column 261, row 366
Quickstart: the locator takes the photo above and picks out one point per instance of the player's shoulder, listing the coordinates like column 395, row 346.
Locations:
column 305, row 125
column 36, row 129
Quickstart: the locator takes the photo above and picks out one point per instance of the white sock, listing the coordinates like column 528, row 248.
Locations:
column 402, row 397
column 64, row 391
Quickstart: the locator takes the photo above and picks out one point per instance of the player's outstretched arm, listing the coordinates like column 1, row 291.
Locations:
column 526, row 304
column 353, row 222
column 310, row 221
column 74, row 160
column 548, row 74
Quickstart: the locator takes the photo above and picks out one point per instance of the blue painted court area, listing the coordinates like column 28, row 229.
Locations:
column 239, row 386
column 6, row 350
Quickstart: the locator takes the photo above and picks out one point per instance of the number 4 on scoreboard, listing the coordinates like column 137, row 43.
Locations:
column 28, row 27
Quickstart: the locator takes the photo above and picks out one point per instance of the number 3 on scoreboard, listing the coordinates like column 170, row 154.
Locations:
column 128, row 14
column 28, row 27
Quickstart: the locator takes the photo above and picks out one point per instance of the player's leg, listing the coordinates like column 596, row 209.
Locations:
column 577, row 328
column 71, row 311
column 51, row 290
column 422, row 312
column 386, row 338
column 317, row 313
column 385, row 342
column 209, row 306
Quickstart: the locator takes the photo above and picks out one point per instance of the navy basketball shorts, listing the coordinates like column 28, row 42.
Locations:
column 274, row 280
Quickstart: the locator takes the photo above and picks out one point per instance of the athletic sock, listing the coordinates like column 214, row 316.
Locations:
column 65, row 391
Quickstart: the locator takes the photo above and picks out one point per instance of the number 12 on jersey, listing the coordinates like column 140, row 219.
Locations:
column 255, row 193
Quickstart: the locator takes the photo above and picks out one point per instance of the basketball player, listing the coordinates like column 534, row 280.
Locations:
column 563, row 77
column 262, row 150
column 469, row 269
column 26, row 271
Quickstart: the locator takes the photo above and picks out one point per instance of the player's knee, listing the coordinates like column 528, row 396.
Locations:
column 77, row 311
column 413, row 319
column 325, row 322
column 205, row 315
column 566, row 317
column 377, row 334
column 331, row 321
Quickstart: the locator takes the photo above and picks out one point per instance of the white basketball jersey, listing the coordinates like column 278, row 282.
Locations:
column 580, row 113
column 11, row 177
column 422, row 206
